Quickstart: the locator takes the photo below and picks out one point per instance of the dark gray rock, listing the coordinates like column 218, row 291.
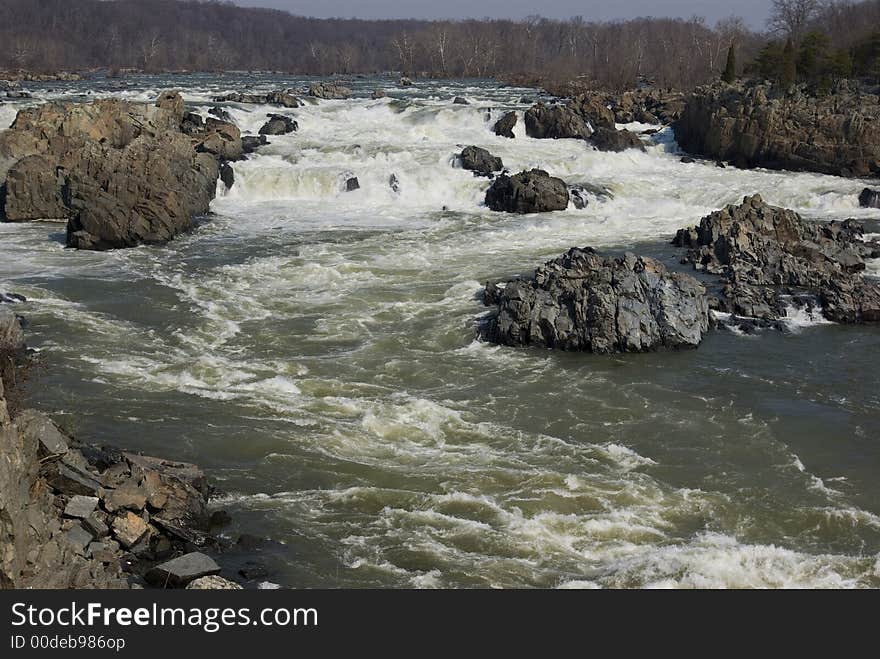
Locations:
column 460, row 100
column 687, row 160
column 278, row 124
column 555, row 122
column 609, row 139
column 764, row 252
column 534, row 191
column 480, row 161
column 79, row 538
column 249, row 143
column 352, row 184
column 504, row 126
column 583, row 301
column 394, row 183
column 221, row 114
column 869, row 198
column 70, row 480
column 227, row 175
column 180, row 571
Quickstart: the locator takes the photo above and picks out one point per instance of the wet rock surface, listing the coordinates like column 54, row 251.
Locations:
column 555, row 122
column 533, row 191
column 584, row 301
column 609, row 139
column 504, row 126
column 480, row 161
column 278, row 124
column 768, row 256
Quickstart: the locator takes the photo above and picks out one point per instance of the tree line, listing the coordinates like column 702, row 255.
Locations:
column 199, row 35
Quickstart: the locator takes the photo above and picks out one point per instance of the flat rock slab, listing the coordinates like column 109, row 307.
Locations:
column 79, row 538
column 80, row 506
column 183, row 569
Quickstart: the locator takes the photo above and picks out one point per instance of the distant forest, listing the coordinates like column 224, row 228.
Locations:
column 158, row 35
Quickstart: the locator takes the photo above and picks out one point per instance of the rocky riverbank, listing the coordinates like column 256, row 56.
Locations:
column 75, row 515
column 755, row 124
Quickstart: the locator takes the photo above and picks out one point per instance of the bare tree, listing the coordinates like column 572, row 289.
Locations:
column 791, row 17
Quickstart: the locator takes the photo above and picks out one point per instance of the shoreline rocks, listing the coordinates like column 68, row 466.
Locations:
column 754, row 124
column 586, row 302
column 533, row 191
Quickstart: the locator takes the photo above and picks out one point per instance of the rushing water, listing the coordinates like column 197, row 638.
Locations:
column 314, row 350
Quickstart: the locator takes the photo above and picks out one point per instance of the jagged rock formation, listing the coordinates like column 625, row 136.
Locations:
column 480, row 161
column 584, row 301
column 534, row 191
column 504, row 126
column 756, row 125
column 767, row 254
column 120, row 173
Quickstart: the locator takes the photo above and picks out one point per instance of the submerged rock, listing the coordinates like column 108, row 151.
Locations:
column 533, row 191
column 480, row 161
column 765, row 254
column 555, row 122
column 583, row 301
column 504, row 126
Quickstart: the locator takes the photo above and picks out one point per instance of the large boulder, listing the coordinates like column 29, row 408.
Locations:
column 584, row 301
column 769, row 256
column 609, row 139
column 121, row 173
column 533, row 191
column 555, row 122
column 504, row 126
column 757, row 125
column 869, row 198
column 480, row 161
column 329, row 90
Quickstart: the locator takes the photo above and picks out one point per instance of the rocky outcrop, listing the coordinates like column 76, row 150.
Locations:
column 504, row 126
column 533, row 191
column 329, row 90
column 278, row 124
column 584, row 301
column 120, row 173
column 609, row 139
column 593, row 110
column 649, row 105
column 555, row 122
column 284, row 99
column 757, row 125
column 480, row 161
column 769, row 256
column 869, row 198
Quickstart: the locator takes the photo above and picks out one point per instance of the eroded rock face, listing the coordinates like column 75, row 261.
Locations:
column 756, row 125
column 480, row 161
column 504, row 126
column 121, row 173
column 767, row 254
column 555, row 122
column 329, row 90
column 609, row 139
column 584, row 301
column 534, row 191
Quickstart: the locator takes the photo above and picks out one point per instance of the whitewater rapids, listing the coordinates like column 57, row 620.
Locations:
column 314, row 350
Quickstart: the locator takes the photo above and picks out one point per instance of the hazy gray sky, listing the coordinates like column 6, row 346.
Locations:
column 754, row 11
